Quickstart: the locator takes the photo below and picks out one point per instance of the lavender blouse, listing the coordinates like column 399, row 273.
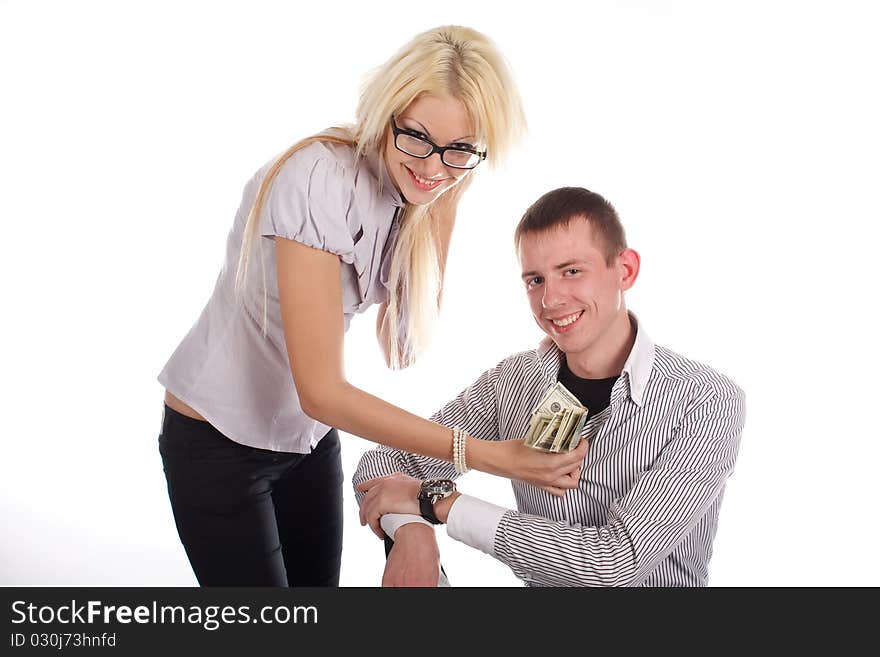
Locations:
column 225, row 368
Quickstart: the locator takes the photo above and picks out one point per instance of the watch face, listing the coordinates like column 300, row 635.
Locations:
column 437, row 488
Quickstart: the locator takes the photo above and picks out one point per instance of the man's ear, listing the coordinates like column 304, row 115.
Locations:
column 628, row 263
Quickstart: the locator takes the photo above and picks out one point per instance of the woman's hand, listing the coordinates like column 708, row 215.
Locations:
column 554, row 473
column 397, row 493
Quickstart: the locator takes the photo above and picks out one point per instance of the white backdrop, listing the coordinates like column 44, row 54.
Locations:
column 739, row 144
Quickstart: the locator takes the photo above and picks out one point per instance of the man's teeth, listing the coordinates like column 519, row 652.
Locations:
column 565, row 321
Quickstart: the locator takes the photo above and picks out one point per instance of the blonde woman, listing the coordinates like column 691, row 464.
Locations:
column 342, row 220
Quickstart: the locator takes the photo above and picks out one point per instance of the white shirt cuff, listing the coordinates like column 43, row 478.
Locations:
column 474, row 522
column 391, row 522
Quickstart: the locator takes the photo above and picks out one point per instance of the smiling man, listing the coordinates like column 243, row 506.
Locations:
column 662, row 432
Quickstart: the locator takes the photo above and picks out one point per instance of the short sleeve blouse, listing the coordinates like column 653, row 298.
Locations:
column 225, row 368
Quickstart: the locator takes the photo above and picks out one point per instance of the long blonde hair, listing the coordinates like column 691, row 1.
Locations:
column 449, row 60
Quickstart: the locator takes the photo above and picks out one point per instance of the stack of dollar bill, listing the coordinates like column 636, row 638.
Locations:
column 556, row 421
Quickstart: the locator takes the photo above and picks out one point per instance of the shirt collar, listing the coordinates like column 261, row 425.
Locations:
column 637, row 367
column 640, row 361
column 376, row 166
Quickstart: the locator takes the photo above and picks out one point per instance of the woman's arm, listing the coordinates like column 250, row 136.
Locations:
column 442, row 215
column 382, row 334
column 310, row 294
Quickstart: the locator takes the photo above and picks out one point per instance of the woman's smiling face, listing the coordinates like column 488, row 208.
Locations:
column 443, row 120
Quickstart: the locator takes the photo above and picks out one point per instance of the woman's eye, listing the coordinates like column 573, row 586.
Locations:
column 572, row 271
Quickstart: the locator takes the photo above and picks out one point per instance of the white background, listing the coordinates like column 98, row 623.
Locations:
column 738, row 142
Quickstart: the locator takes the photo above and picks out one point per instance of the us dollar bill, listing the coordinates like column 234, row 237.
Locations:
column 556, row 422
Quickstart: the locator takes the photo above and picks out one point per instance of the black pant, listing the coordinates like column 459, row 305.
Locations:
column 253, row 517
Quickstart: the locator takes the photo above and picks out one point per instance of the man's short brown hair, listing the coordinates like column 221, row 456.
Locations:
column 559, row 207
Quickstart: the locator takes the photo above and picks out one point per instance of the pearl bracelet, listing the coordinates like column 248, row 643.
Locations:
column 459, row 449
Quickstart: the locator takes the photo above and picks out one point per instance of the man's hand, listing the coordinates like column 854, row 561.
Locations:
column 415, row 558
column 397, row 493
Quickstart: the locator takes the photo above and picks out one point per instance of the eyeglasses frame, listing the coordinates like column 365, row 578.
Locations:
column 397, row 130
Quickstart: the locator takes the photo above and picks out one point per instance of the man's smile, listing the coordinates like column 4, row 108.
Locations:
column 566, row 322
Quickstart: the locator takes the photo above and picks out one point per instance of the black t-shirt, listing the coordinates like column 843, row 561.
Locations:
column 595, row 394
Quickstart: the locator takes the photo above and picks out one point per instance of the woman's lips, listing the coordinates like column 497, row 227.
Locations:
column 424, row 184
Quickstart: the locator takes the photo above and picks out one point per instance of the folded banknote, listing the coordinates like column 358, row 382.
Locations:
column 556, row 421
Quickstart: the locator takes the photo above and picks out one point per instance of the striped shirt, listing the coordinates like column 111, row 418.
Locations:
column 645, row 511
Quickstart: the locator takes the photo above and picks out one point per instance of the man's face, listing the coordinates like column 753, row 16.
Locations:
column 575, row 297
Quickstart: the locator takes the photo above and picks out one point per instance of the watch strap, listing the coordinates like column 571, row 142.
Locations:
column 426, row 508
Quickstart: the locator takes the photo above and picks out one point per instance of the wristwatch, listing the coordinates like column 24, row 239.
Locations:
column 431, row 491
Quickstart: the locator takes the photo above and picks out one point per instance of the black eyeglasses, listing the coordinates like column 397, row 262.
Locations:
column 457, row 156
